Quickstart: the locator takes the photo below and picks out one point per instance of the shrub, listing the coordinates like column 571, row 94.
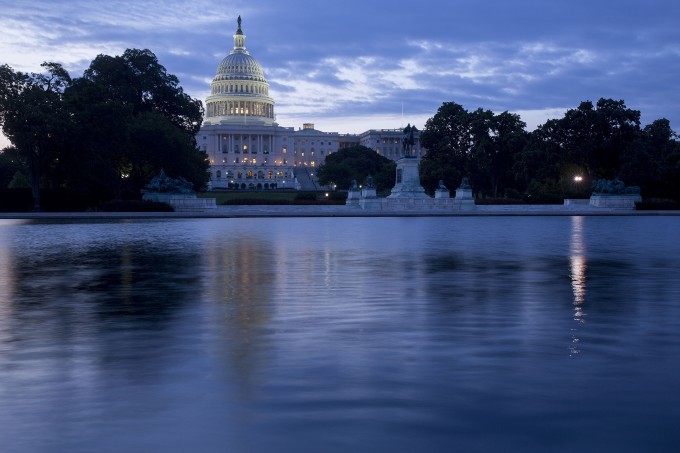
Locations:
column 653, row 204
column 135, row 206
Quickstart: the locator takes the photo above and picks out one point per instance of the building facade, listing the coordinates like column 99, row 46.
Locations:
column 248, row 149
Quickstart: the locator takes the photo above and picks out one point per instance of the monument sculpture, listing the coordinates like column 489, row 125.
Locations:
column 177, row 193
column 442, row 191
column 408, row 140
column 614, row 194
column 164, row 184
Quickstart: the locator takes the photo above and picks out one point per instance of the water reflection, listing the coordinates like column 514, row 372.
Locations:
column 578, row 266
column 239, row 284
column 428, row 334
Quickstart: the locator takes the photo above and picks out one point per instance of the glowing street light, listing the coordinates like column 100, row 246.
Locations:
column 578, row 178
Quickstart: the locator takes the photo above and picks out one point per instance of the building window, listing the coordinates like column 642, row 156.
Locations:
column 218, row 174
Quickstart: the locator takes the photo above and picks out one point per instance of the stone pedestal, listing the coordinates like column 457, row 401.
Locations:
column 614, row 201
column 353, row 196
column 182, row 202
column 442, row 193
column 368, row 192
column 463, row 194
column 408, row 180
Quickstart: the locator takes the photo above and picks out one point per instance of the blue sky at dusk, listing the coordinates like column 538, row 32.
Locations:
column 347, row 66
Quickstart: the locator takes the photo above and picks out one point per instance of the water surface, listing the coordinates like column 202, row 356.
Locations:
column 341, row 334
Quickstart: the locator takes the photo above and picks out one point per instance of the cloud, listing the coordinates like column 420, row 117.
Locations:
column 365, row 61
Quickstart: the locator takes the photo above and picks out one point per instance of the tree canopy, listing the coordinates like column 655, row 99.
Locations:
column 593, row 141
column 479, row 145
column 106, row 133
column 357, row 163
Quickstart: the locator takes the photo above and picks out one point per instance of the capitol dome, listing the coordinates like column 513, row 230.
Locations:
column 239, row 91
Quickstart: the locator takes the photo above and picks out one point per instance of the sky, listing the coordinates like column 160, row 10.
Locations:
column 355, row 65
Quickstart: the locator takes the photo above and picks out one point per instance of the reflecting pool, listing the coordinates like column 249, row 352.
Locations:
column 341, row 334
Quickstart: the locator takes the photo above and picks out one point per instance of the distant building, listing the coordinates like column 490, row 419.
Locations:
column 248, row 149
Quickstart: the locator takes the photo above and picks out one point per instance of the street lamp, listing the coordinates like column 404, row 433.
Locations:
column 578, row 178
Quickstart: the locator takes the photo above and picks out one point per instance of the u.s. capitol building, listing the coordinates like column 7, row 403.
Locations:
column 248, row 149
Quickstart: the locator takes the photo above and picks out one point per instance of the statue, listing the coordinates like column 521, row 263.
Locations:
column 614, row 187
column 464, row 184
column 408, row 140
column 354, row 185
column 369, row 182
column 164, row 184
column 239, row 22
column 441, row 185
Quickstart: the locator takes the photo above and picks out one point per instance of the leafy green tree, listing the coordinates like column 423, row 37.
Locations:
column 357, row 163
column 34, row 119
column 10, row 165
column 149, row 122
column 479, row 144
column 447, row 136
column 589, row 141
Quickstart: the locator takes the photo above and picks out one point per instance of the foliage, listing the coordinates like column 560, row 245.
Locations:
column 103, row 134
column 15, row 200
column 479, row 145
column 358, row 162
column 34, row 119
column 10, row 165
column 135, row 206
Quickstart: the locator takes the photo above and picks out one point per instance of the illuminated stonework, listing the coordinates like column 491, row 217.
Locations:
column 248, row 149
column 239, row 91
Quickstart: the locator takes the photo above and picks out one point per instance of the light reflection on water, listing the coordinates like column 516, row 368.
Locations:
column 385, row 334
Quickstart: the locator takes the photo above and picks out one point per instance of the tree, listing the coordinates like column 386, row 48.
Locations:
column 447, row 136
column 357, row 163
column 150, row 124
column 10, row 165
column 589, row 141
column 34, row 119
column 479, row 144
